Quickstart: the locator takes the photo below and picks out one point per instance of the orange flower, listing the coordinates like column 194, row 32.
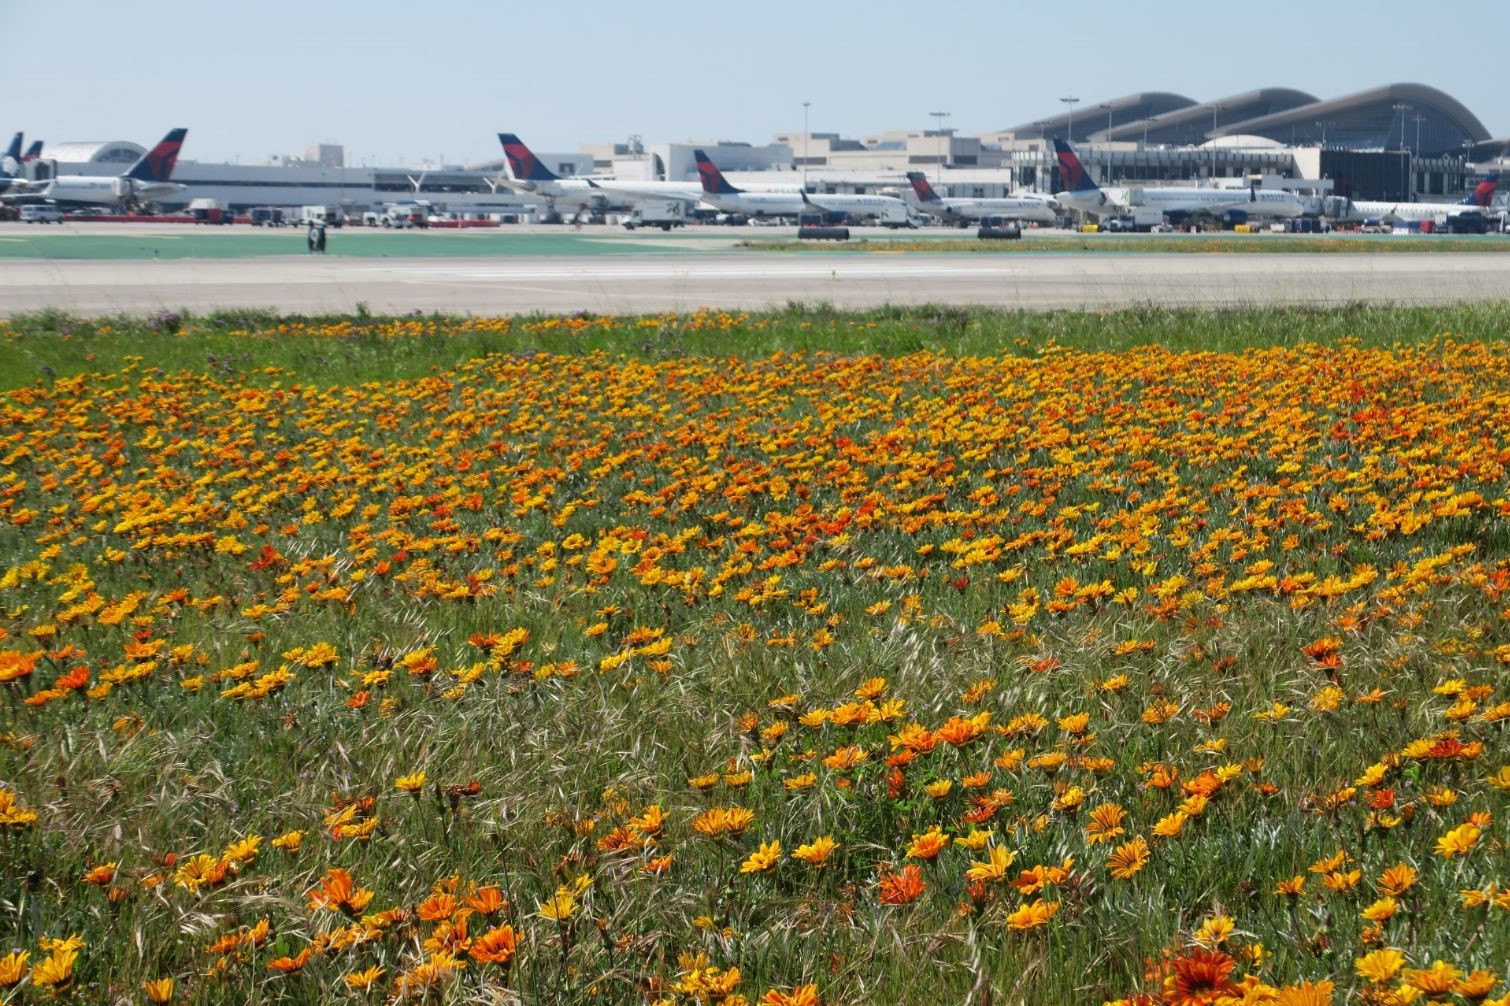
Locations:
column 496, row 946
column 903, row 886
column 337, row 891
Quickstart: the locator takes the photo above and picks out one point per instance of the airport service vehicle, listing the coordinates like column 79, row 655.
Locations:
column 1136, row 218
column 662, row 213
column 144, row 181
column 210, row 211
column 726, row 198
column 1040, row 209
column 41, row 213
column 325, row 216
column 407, row 214
column 1177, row 203
column 1440, row 214
column 267, row 216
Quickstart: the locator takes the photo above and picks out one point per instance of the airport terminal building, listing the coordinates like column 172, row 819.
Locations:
column 1396, row 142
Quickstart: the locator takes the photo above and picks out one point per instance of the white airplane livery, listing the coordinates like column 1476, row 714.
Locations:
column 1039, row 209
column 1438, row 213
column 1177, row 203
column 144, row 181
column 721, row 195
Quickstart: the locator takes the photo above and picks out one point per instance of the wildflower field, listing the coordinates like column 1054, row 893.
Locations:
column 904, row 657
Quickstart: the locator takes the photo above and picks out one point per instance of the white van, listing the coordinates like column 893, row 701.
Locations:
column 41, row 214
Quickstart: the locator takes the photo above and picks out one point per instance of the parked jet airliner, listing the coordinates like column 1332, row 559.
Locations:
column 1177, row 203
column 144, row 181
column 1036, row 208
column 719, row 193
column 1438, row 213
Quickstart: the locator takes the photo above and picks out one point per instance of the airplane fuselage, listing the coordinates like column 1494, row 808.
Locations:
column 1182, row 201
column 1011, row 207
column 96, row 190
column 1408, row 212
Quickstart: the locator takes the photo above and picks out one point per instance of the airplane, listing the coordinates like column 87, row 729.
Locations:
column 1476, row 204
column 11, row 157
column 525, row 173
column 720, row 194
column 1036, row 208
column 144, row 181
column 32, row 152
column 1177, row 203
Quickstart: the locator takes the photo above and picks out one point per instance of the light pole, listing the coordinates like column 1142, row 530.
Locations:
column 1070, row 129
column 939, row 169
column 1214, row 110
column 1415, row 151
column 805, row 106
column 1402, row 107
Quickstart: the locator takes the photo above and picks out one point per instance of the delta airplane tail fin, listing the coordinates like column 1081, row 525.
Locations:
column 524, row 166
column 156, row 165
column 1072, row 173
column 714, row 182
column 33, row 152
column 920, row 186
column 14, row 150
column 1483, row 194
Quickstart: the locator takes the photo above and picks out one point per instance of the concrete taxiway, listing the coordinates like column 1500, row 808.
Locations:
column 747, row 280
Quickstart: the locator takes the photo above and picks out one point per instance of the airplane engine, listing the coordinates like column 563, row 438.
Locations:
column 1235, row 216
column 120, row 188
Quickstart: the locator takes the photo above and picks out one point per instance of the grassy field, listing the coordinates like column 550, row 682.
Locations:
column 908, row 656
column 1252, row 244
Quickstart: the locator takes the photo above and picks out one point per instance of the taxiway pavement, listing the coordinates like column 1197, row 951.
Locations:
column 629, row 283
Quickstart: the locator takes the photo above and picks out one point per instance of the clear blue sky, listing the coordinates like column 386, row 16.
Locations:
column 410, row 80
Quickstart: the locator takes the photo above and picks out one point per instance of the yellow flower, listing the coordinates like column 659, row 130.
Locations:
column 159, row 990
column 559, row 907
column 762, row 859
column 289, row 841
column 55, row 971
column 13, row 968
column 410, row 783
column 1458, row 842
column 994, row 868
column 1380, row 966
column 1031, row 916
column 1128, row 858
column 928, row 844
column 1214, row 931
column 816, row 852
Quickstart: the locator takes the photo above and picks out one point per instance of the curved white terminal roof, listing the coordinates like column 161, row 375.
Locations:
column 95, row 152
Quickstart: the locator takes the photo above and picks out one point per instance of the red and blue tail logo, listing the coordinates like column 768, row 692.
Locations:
column 524, row 166
column 920, row 185
column 1072, row 173
column 157, row 164
column 714, row 182
column 33, row 152
column 1483, row 194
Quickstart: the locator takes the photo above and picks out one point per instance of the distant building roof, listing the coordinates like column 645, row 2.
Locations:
column 1381, row 118
column 1091, row 116
column 96, row 152
column 1191, row 125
